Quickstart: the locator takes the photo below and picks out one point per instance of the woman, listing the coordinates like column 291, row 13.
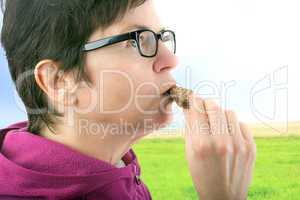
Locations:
column 93, row 76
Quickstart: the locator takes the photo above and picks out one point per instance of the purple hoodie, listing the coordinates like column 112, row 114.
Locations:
column 33, row 167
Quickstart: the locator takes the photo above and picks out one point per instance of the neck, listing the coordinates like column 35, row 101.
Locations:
column 104, row 144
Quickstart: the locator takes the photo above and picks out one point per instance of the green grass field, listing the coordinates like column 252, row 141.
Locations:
column 276, row 176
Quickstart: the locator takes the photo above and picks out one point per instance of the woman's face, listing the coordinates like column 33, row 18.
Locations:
column 126, row 87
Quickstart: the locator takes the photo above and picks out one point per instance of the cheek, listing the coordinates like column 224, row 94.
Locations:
column 147, row 95
column 110, row 96
column 120, row 93
column 122, row 85
column 115, row 90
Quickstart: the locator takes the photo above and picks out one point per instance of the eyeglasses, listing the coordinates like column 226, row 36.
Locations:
column 145, row 40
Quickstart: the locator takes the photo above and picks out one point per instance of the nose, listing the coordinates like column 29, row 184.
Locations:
column 165, row 59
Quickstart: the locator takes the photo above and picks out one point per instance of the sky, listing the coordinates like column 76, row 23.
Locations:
column 245, row 54
column 253, row 44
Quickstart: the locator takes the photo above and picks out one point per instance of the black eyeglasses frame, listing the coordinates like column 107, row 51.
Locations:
column 134, row 35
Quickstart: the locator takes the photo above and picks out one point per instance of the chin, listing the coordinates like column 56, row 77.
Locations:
column 162, row 118
column 153, row 123
column 165, row 121
column 165, row 117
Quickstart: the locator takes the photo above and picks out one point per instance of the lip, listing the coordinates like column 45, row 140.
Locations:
column 167, row 88
column 166, row 99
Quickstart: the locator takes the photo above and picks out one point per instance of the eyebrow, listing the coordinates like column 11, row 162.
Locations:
column 138, row 26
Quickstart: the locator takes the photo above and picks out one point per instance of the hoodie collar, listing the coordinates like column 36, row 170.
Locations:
column 32, row 160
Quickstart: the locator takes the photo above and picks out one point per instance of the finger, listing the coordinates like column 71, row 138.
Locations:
column 196, row 117
column 246, row 133
column 216, row 117
column 234, row 128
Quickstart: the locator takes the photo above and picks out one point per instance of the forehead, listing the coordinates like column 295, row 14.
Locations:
column 142, row 16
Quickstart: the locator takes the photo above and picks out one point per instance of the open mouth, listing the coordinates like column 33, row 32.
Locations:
column 168, row 91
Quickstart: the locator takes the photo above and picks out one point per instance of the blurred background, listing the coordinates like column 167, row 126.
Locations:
column 245, row 54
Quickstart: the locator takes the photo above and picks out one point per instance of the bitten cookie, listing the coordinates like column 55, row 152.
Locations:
column 180, row 96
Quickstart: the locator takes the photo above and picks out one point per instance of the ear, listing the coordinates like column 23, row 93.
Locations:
column 59, row 87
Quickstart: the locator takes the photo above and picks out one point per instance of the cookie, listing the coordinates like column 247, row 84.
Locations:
column 181, row 96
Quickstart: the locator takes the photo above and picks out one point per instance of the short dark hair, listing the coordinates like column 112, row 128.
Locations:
column 34, row 30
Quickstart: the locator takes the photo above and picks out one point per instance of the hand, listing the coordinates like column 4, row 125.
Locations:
column 220, row 151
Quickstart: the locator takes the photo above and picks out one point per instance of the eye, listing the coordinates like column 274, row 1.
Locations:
column 142, row 38
column 167, row 37
column 132, row 43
